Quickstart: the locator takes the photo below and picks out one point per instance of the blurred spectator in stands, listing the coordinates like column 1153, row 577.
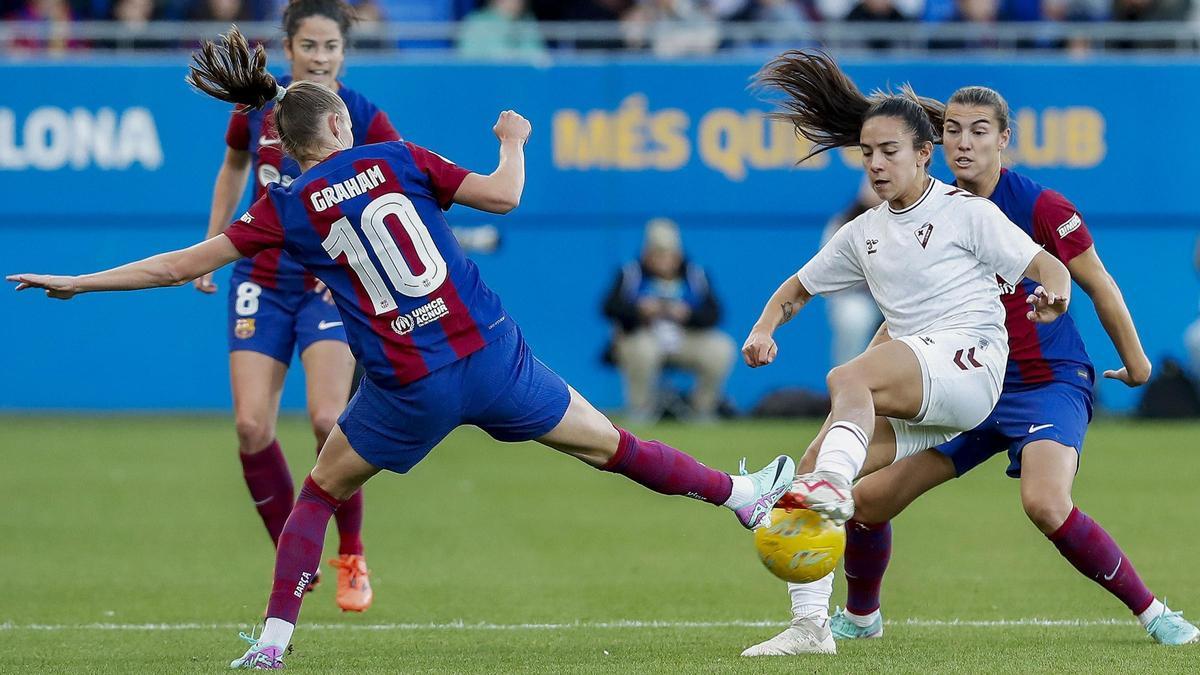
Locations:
column 501, row 30
column 55, row 17
column 665, row 313
column 671, row 28
column 1149, row 10
column 839, row 10
column 134, row 17
column 980, row 16
column 878, row 12
column 583, row 10
column 784, row 16
column 223, row 11
column 368, row 26
column 853, row 315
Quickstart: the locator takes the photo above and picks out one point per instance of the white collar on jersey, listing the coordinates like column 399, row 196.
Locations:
column 932, row 182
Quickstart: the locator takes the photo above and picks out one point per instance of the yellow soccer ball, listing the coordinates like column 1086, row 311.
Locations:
column 800, row 546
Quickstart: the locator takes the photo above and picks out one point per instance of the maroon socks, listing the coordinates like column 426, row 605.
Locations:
column 271, row 487
column 299, row 552
column 668, row 471
column 349, row 518
column 1088, row 547
column 868, row 550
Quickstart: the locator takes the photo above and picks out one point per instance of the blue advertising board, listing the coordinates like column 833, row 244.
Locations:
column 116, row 159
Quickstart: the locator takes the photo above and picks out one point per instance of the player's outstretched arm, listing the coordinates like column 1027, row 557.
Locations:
column 500, row 191
column 1050, row 299
column 165, row 269
column 1088, row 271
column 788, row 299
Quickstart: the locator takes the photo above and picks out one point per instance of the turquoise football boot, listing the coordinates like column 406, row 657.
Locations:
column 1170, row 628
column 845, row 629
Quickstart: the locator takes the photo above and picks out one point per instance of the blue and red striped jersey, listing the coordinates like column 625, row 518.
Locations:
column 368, row 222
column 254, row 132
column 1045, row 352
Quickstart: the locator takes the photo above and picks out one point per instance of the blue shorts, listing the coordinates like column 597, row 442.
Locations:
column 1054, row 411
column 502, row 389
column 274, row 322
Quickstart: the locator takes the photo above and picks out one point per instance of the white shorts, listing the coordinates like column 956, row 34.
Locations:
column 962, row 375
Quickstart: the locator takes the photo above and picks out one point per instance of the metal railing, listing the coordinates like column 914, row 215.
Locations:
column 668, row 40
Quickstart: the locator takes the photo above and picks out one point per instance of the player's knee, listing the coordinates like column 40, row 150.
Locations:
column 254, row 434
column 323, row 422
column 1047, row 512
column 870, row 505
column 843, row 377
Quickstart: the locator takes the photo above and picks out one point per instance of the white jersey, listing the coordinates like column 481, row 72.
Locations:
column 931, row 267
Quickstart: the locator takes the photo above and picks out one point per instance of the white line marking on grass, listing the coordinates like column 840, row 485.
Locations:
column 486, row 626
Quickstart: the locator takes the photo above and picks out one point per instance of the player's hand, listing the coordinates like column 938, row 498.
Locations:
column 205, row 284
column 512, row 127
column 1045, row 306
column 1136, row 377
column 59, row 288
column 759, row 350
column 326, row 294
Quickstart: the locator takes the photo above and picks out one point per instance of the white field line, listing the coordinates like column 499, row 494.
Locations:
column 588, row 625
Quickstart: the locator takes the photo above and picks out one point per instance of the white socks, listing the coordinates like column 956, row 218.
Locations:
column 861, row 621
column 277, row 633
column 1152, row 612
column 743, row 490
column 844, row 450
column 811, row 600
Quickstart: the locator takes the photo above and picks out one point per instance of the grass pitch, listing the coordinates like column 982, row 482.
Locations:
column 131, row 545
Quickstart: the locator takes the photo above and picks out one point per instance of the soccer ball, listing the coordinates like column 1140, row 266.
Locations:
column 799, row 545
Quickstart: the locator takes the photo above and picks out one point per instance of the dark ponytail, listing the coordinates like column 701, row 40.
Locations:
column 827, row 108
column 231, row 71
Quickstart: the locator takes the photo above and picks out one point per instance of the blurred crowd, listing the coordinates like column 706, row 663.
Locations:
column 511, row 28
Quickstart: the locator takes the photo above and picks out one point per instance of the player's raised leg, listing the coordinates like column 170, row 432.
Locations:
column 1047, row 473
column 257, row 383
column 886, row 380
column 339, row 473
column 328, row 368
column 588, row 435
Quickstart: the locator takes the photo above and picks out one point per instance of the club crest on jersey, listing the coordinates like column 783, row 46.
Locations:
column 243, row 329
column 923, row 233
column 872, row 246
column 421, row 316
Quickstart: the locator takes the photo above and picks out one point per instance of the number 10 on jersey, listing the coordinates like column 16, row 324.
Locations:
column 344, row 240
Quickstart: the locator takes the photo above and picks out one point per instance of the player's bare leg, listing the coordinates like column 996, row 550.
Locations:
column 257, row 384
column 339, row 473
column 1047, row 474
column 328, row 369
column 588, row 435
column 884, row 381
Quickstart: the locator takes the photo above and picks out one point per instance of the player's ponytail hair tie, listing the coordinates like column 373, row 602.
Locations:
column 280, row 92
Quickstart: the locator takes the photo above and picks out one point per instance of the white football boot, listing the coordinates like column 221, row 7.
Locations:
column 825, row 492
column 804, row 636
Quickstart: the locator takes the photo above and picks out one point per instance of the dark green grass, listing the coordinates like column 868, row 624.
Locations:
column 115, row 522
